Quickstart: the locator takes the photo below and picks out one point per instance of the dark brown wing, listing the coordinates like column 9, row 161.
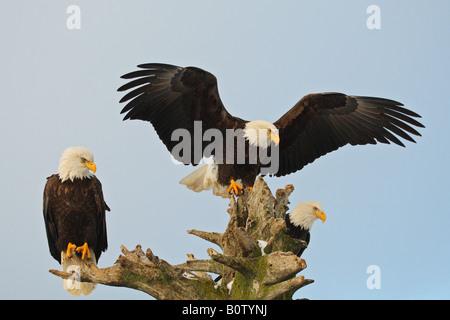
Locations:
column 102, row 207
column 321, row 123
column 172, row 97
column 49, row 219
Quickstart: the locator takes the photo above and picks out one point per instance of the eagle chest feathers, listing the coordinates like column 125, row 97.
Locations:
column 77, row 202
column 73, row 191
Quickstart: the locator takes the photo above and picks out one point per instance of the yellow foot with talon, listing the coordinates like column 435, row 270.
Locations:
column 70, row 247
column 234, row 187
column 85, row 251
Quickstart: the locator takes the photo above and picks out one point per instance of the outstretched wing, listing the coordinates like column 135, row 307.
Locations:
column 321, row 123
column 172, row 97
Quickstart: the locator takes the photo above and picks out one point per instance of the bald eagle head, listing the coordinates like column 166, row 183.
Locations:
column 259, row 133
column 305, row 213
column 75, row 163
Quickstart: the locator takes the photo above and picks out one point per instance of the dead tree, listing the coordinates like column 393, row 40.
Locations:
column 256, row 260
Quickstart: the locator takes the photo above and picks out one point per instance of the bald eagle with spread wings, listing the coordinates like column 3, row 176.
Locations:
column 172, row 97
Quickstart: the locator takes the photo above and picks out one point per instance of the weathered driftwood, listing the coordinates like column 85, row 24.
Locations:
column 247, row 270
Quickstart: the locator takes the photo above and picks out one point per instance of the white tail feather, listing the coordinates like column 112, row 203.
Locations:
column 204, row 178
column 197, row 180
column 73, row 285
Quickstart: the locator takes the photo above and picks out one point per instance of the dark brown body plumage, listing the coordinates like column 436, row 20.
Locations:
column 247, row 173
column 299, row 233
column 74, row 211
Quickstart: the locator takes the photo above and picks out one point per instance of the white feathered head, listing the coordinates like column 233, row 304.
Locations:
column 305, row 213
column 75, row 163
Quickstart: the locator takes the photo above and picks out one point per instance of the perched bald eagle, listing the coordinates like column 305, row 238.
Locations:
column 74, row 214
column 172, row 97
column 299, row 222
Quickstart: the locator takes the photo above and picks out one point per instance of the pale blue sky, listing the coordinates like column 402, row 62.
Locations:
column 385, row 205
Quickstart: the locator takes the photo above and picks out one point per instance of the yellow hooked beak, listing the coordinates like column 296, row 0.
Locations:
column 275, row 138
column 321, row 215
column 91, row 166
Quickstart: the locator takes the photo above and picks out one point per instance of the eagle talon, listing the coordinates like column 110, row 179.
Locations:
column 235, row 187
column 85, row 251
column 70, row 247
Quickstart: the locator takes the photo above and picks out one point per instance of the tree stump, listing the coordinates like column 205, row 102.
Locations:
column 256, row 260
